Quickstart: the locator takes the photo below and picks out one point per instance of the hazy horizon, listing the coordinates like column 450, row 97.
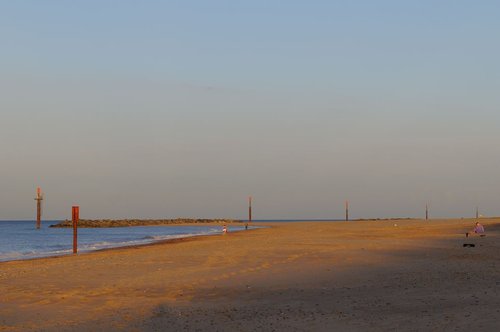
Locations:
column 166, row 110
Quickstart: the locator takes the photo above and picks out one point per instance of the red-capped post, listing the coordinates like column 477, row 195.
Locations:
column 75, row 216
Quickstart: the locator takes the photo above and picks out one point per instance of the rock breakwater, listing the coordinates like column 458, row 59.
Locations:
column 102, row 223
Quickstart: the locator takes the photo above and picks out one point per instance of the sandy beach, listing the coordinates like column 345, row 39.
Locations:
column 398, row 275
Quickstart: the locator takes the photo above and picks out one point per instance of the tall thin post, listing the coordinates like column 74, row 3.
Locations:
column 346, row 210
column 38, row 199
column 426, row 212
column 250, row 209
column 75, row 216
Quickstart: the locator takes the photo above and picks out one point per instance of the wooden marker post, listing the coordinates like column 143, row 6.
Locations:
column 346, row 210
column 38, row 199
column 250, row 209
column 75, row 217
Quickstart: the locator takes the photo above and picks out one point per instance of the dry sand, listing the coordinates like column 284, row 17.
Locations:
column 355, row 276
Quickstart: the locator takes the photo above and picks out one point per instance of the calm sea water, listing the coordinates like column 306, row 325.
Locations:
column 20, row 239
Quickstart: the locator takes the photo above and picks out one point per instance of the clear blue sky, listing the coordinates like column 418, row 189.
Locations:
column 184, row 108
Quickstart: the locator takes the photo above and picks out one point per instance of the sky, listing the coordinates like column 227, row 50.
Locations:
column 166, row 109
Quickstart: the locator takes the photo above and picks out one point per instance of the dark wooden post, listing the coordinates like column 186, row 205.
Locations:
column 250, row 209
column 38, row 199
column 75, row 217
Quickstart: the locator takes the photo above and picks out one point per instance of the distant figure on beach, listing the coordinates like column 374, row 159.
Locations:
column 246, row 226
column 224, row 229
column 478, row 229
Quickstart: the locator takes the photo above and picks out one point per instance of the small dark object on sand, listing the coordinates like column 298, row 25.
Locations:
column 466, row 234
column 469, row 245
column 482, row 235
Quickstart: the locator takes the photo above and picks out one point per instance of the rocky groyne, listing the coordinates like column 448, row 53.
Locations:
column 103, row 223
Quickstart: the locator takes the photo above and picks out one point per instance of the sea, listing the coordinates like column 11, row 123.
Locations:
column 21, row 240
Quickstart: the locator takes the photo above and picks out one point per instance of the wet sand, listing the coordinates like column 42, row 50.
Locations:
column 406, row 275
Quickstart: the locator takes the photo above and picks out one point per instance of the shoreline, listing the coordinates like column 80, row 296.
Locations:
column 263, row 223
column 136, row 246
